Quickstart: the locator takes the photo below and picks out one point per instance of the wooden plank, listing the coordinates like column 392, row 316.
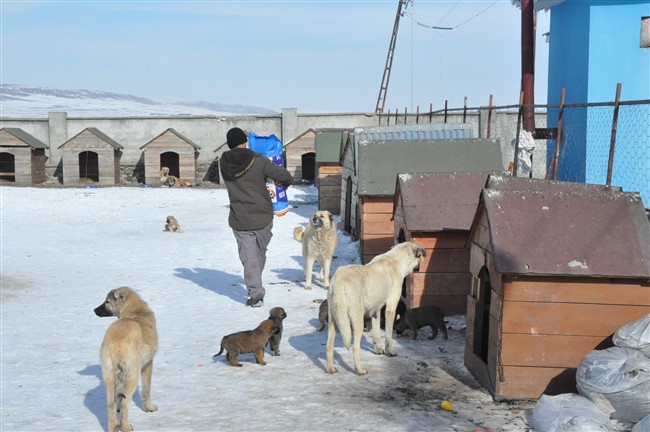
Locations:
column 548, row 350
column 334, row 170
column 376, row 244
column 479, row 369
column 577, row 290
column 376, row 205
column 330, row 181
column 568, row 318
column 441, row 240
column 446, row 261
column 378, row 228
column 450, row 305
column 441, row 283
column 532, row 382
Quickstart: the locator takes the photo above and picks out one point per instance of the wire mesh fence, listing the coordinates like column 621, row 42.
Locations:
column 600, row 143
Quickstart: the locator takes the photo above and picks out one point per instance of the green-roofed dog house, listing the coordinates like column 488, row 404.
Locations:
column 91, row 157
column 379, row 162
column 22, row 158
column 328, row 169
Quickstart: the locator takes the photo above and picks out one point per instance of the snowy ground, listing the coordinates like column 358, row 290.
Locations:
column 63, row 249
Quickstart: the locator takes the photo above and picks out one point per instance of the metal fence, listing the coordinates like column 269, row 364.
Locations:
column 600, row 143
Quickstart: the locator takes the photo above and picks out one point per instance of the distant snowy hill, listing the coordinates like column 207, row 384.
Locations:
column 20, row 101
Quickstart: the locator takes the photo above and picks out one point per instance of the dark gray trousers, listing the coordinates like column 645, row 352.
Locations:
column 252, row 247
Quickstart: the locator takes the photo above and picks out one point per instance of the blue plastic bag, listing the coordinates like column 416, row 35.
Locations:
column 271, row 147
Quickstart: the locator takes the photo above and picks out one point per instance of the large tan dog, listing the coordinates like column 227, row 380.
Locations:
column 127, row 351
column 359, row 290
column 172, row 181
column 248, row 341
column 319, row 241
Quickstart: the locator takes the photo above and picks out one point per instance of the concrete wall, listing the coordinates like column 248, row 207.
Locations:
column 210, row 132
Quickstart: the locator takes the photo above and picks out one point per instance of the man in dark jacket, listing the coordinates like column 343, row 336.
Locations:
column 251, row 211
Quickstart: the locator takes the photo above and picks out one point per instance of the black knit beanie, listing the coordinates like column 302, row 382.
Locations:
column 235, row 137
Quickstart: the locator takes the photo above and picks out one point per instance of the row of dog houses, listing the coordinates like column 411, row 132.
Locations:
column 544, row 271
column 92, row 156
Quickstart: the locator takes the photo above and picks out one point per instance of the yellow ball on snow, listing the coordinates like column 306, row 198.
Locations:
column 446, row 405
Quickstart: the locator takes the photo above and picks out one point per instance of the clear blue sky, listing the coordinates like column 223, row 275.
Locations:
column 316, row 56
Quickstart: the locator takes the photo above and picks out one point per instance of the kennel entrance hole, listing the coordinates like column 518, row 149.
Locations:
column 89, row 166
column 7, row 167
column 482, row 290
column 171, row 161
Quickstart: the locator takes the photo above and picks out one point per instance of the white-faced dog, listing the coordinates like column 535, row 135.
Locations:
column 319, row 241
column 359, row 290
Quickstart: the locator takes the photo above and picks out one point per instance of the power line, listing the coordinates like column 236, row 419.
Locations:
column 436, row 27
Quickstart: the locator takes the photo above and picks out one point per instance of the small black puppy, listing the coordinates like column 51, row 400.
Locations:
column 423, row 316
column 278, row 314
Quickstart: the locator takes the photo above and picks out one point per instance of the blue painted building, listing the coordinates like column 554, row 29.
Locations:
column 595, row 44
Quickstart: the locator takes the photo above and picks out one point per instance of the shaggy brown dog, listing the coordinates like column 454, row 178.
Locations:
column 248, row 341
column 172, row 224
column 172, row 181
column 278, row 314
column 127, row 351
column 319, row 241
column 423, row 316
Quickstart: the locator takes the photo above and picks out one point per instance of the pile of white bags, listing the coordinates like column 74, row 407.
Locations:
column 613, row 383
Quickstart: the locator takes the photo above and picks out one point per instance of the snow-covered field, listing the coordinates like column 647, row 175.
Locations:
column 63, row 249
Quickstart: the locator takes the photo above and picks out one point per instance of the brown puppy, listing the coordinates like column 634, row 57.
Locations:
column 172, row 181
column 423, row 316
column 127, row 352
column 172, row 224
column 278, row 314
column 248, row 341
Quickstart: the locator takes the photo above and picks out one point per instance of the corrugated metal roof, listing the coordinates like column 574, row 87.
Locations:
column 328, row 146
column 439, row 201
column 379, row 162
column 426, row 131
column 588, row 233
column 28, row 139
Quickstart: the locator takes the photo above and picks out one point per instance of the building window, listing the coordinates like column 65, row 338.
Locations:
column 645, row 32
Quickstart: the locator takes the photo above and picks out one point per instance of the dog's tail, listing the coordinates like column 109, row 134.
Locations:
column 220, row 351
column 337, row 311
column 298, row 233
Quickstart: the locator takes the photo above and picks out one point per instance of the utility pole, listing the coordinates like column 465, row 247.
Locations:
column 383, row 89
column 528, row 63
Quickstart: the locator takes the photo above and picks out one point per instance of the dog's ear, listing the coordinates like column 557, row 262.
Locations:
column 331, row 216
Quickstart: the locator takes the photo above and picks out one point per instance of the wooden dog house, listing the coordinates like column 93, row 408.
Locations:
column 300, row 156
column 556, row 271
column 399, row 133
column 91, row 156
column 22, row 157
column 173, row 150
column 379, row 162
column 328, row 170
column 435, row 211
